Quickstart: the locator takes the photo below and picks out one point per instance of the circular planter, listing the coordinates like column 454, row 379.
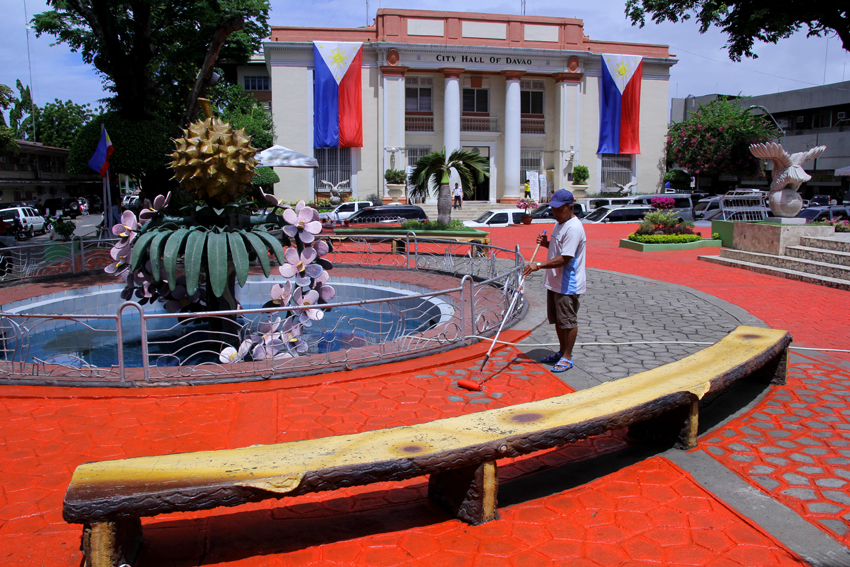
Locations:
column 395, row 191
column 579, row 191
column 526, row 219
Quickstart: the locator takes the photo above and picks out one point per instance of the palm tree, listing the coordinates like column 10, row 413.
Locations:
column 432, row 176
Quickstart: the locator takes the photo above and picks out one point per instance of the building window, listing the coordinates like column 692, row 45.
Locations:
column 334, row 167
column 415, row 153
column 417, row 94
column 531, row 97
column 476, row 100
column 257, row 83
column 822, row 119
column 530, row 159
column 616, row 168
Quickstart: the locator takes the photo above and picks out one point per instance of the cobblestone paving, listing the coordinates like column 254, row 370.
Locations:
column 649, row 514
column 796, row 446
column 621, row 308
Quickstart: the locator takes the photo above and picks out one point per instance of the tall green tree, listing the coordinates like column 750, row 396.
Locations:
column 715, row 140
column 157, row 56
column 242, row 110
column 744, row 21
column 8, row 140
column 432, row 172
column 58, row 123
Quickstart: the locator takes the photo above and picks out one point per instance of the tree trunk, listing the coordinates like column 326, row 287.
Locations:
column 444, row 205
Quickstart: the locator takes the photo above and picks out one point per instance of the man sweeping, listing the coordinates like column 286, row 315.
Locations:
column 565, row 278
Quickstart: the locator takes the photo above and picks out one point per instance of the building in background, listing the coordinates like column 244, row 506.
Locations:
column 814, row 116
column 40, row 171
column 524, row 91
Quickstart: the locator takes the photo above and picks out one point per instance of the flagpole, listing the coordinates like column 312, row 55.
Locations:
column 112, row 220
column 105, row 207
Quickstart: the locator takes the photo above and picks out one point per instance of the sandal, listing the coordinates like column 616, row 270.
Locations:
column 563, row 365
column 551, row 358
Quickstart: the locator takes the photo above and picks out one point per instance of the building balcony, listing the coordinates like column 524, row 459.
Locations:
column 413, row 123
column 479, row 124
column 533, row 126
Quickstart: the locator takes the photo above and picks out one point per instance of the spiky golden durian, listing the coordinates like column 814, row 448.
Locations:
column 212, row 161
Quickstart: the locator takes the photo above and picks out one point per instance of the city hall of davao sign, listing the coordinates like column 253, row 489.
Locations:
column 534, row 95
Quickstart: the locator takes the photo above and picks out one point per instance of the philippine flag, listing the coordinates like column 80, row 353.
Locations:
column 619, row 112
column 338, row 106
column 100, row 160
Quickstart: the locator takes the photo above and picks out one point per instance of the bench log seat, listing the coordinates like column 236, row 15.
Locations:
column 458, row 453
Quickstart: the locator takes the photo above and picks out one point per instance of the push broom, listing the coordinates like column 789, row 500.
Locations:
column 472, row 384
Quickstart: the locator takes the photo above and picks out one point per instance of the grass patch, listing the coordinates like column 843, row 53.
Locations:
column 454, row 225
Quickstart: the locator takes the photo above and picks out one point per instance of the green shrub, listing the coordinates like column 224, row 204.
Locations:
column 64, row 229
column 664, row 238
column 580, row 174
column 715, row 236
column 678, row 179
column 433, row 225
column 395, row 176
column 374, row 199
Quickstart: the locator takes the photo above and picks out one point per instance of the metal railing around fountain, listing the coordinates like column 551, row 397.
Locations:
column 451, row 290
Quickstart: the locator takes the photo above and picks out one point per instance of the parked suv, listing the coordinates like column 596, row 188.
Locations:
column 497, row 217
column 63, row 206
column 29, row 218
column 95, row 204
column 345, row 210
column 818, row 214
column 388, row 213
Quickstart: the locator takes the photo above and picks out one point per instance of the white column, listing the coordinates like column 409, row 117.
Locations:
column 513, row 142
column 451, row 115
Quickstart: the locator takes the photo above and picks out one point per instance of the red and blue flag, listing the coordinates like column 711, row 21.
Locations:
column 338, row 98
column 619, row 112
column 100, row 160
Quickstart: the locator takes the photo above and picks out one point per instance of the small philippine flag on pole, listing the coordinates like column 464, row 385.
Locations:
column 619, row 112
column 338, row 98
column 100, row 160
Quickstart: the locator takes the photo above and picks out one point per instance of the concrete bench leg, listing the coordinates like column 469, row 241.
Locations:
column 110, row 544
column 468, row 493
column 774, row 372
column 680, row 424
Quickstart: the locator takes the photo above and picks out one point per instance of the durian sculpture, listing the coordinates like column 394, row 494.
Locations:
column 213, row 161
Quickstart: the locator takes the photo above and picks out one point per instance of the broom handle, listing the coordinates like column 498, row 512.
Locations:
column 513, row 302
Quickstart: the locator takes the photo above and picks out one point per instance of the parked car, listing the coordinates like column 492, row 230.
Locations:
column 387, row 214
column 63, row 207
column 820, row 201
column 130, row 203
column 629, row 213
column 544, row 214
column 29, row 218
column 817, row 214
column 497, row 217
column 345, row 210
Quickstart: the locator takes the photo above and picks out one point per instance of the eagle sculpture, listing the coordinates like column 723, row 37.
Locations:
column 787, row 168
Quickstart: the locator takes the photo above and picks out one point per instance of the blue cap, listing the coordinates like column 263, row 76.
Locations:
column 560, row 198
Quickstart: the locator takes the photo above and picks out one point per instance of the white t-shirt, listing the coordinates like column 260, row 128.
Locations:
column 567, row 239
column 457, row 192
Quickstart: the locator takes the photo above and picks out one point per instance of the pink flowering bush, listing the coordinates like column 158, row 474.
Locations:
column 662, row 203
column 715, row 140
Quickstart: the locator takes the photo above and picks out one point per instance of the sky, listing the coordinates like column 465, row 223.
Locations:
column 703, row 68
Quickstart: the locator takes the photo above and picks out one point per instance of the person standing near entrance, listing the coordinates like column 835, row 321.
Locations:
column 565, row 279
column 457, row 193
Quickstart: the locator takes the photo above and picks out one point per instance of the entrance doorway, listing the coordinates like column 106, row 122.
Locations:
column 482, row 191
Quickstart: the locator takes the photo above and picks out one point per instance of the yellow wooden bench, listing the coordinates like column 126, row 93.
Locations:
column 458, row 453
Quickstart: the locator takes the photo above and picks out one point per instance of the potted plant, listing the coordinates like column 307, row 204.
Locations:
column 526, row 203
column 396, row 182
column 580, row 177
column 64, row 230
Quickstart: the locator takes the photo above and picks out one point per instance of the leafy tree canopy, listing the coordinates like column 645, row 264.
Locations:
column 744, row 21
column 150, row 53
column 715, row 140
column 56, row 123
column 242, row 110
column 140, row 148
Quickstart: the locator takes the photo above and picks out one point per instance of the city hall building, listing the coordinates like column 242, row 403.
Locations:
column 525, row 92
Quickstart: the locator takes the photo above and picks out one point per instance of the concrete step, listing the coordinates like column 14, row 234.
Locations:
column 840, row 243
column 825, row 255
column 779, row 272
column 471, row 210
column 789, row 263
